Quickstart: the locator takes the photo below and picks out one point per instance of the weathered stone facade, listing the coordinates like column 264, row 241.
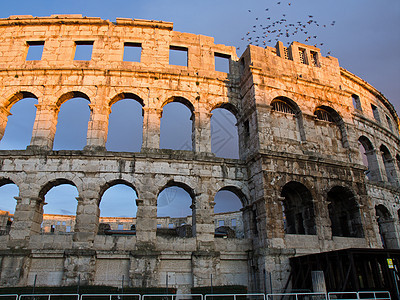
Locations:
column 300, row 175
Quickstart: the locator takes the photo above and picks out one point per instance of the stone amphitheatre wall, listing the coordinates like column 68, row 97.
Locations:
column 299, row 136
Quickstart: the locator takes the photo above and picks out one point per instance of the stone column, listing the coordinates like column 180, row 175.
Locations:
column 151, row 128
column 205, row 263
column 28, row 218
column 203, row 221
column 79, row 265
column 323, row 223
column 44, row 128
column 201, row 133
column 97, row 127
column 86, row 221
column 4, row 113
column 146, row 221
column 144, row 264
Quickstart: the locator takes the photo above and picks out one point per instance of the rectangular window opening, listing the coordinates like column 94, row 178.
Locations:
column 83, row 50
column 222, row 62
column 389, row 123
column 233, row 222
column 132, row 52
column 356, row 102
column 120, row 226
column 170, row 225
column 303, row 56
column 35, row 50
column 158, row 225
column 221, row 223
column 68, row 229
column 375, row 113
column 178, row 56
column 314, row 59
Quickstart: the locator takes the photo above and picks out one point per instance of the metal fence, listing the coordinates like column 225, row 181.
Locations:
column 297, row 296
column 9, row 296
column 364, row 295
column 49, row 297
column 173, row 297
column 110, row 297
column 234, row 297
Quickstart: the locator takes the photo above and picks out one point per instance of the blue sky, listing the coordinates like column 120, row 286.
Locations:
column 364, row 38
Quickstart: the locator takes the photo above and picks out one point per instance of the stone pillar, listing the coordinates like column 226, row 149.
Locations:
column 203, row 221
column 4, row 113
column 79, row 265
column 201, row 133
column 97, row 127
column 151, row 128
column 28, row 218
column 146, row 221
column 205, row 264
column 144, row 267
column 373, row 166
column 86, row 221
column 323, row 223
column 44, row 128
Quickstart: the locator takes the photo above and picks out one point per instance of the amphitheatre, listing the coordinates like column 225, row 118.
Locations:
column 317, row 174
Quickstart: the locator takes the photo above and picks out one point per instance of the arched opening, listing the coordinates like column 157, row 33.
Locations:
column 344, row 213
column 332, row 133
column 224, row 133
column 386, row 227
column 291, row 126
column 177, row 124
column 174, row 210
column 298, row 209
column 60, row 205
column 8, row 190
column 389, row 164
column 369, row 158
column 228, row 217
column 118, row 206
column 18, row 132
column 125, row 126
column 398, row 162
column 72, row 123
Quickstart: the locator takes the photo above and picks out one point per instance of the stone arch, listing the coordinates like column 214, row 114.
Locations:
column 225, row 131
column 124, row 206
column 179, row 184
column 229, row 222
column 238, row 192
column 125, row 123
column 386, row 227
column 53, row 183
column 126, row 95
column 368, row 153
column 298, row 209
column 7, row 104
column 70, row 95
column 77, row 138
column 228, row 106
column 344, row 213
column 111, row 183
column 388, row 163
column 186, row 139
column 172, row 201
column 287, row 105
column 179, row 99
column 16, row 97
column 398, row 162
column 328, row 114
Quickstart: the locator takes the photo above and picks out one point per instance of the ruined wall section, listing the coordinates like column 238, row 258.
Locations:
column 106, row 78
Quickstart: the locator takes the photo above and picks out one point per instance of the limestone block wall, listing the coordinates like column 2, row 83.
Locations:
column 301, row 177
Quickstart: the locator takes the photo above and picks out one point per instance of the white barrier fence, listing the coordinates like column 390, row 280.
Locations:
column 362, row 295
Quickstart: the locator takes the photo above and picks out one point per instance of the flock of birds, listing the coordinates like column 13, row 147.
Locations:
column 272, row 28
